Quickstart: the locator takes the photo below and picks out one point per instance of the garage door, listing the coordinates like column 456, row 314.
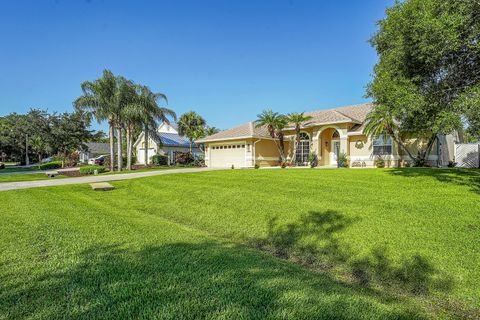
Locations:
column 227, row 155
column 141, row 155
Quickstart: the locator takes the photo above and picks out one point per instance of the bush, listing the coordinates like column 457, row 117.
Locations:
column 379, row 162
column 342, row 160
column 312, row 158
column 257, row 166
column 2, row 166
column 451, row 164
column 159, row 160
column 50, row 165
column 184, row 158
column 86, row 170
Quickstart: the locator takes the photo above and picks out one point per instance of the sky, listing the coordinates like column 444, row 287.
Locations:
column 227, row 60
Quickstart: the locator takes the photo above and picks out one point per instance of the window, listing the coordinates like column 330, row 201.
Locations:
column 243, row 146
column 303, row 148
column 382, row 145
column 336, row 135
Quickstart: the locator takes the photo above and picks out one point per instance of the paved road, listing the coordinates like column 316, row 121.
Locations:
column 89, row 179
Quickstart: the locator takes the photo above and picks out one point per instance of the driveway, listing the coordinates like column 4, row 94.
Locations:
column 90, row 179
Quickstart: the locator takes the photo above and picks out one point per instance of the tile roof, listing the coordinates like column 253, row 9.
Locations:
column 353, row 114
column 246, row 130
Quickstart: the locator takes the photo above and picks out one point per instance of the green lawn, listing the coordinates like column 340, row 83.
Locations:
column 10, row 169
column 241, row 244
column 26, row 177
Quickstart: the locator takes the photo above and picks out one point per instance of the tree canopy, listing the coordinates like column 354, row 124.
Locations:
column 427, row 79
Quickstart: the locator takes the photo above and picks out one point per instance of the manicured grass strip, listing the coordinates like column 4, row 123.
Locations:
column 26, row 177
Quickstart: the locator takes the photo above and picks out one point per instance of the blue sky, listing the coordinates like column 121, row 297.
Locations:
column 227, row 60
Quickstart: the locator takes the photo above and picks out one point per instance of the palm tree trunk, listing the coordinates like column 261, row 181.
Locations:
column 112, row 146
column 129, row 149
column 119, row 149
column 146, row 145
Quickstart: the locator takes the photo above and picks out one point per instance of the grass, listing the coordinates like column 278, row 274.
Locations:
column 323, row 244
column 26, row 177
column 7, row 169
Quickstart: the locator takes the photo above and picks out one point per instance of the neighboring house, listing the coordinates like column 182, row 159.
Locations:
column 328, row 134
column 92, row 150
column 166, row 141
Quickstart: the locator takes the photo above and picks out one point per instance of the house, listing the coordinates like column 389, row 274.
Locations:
column 166, row 141
column 327, row 135
column 92, row 150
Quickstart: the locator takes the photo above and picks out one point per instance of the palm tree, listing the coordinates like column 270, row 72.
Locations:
column 152, row 113
column 99, row 99
column 211, row 130
column 191, row 124
column 297, row 119
column 274, row 122
column 380, row 121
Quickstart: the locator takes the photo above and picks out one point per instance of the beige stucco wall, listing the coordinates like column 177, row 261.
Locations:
column 359, row 148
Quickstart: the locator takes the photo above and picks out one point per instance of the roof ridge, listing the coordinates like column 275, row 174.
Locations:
column 346, row 116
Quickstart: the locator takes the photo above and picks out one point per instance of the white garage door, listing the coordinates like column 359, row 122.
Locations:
column 225, row 156
column 141, row 155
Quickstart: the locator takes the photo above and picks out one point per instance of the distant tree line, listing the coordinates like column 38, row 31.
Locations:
column 37, row 134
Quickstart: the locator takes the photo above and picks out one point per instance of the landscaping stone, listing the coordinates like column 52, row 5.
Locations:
column 52, row 174
column 102, row 186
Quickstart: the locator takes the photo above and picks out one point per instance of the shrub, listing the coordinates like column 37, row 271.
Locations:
column 451, row 164
column 257, row 166
column 159, row 160
column 420, row 162
column 342, row 160
column 2, row 166
column 184, row 158
column 312, row 158
column 379, row 162
column 86, row 170
column 50, row 165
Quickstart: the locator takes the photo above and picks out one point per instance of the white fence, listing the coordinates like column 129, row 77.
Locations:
column 467, row 155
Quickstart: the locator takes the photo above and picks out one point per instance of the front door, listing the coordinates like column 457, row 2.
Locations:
column 335, row 151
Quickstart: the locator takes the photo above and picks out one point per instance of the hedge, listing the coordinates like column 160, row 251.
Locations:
column 50, row 165
column 159, row 159
column 91, row 169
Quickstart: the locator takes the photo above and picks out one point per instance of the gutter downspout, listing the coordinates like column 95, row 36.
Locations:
column 254, row 153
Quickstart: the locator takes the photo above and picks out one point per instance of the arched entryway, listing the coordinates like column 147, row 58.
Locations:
column 329, row 146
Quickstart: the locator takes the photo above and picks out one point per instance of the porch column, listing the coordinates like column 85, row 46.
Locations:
column 314, row 147
column 344, row 145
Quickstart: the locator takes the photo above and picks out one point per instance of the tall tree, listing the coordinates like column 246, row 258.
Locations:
column 297, row 119
column 211, row 130
column 275, row 123
column 99, row 98
column 153, row 113
column 68, row 132
column 190, row 124
column 427, row 78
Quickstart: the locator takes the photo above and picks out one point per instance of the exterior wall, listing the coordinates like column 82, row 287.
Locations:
column 359, row 148
column 361, row 153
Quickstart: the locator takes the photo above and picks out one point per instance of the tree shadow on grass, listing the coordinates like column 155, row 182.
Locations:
column 461, row 177
column 190, row 281
column 313, row 241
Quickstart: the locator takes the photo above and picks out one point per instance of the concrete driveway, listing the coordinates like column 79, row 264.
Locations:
column 90, row 179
